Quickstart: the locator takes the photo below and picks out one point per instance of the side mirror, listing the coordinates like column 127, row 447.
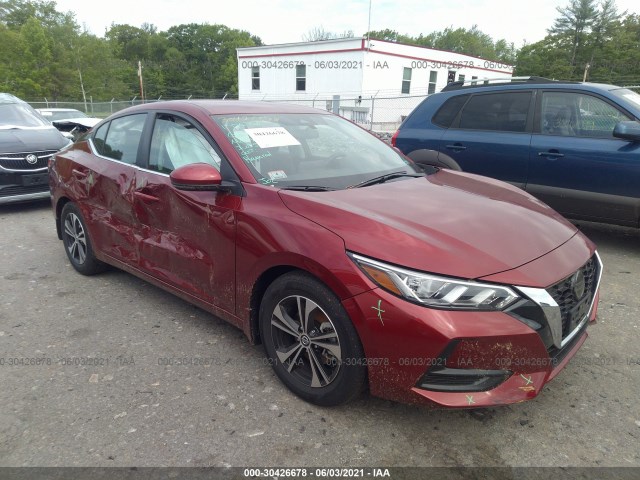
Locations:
column 197, row 176
column 627, row 131
column 433, row 158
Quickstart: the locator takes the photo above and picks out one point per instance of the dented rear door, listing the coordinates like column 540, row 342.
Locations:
column 106, row 183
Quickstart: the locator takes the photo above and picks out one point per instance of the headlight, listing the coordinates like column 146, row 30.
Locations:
column 434, row 290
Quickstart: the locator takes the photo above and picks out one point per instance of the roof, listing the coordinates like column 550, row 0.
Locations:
column 230, row 107
column 297, row 44
column 515, row 82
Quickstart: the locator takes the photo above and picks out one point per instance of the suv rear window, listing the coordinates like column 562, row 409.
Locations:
column 447, row 113
column 505, row 112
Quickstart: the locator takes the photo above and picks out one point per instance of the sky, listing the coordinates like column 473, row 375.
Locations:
column 285, row 21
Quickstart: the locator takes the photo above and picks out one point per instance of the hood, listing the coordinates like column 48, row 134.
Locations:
column 21, row 140
column 450, row 223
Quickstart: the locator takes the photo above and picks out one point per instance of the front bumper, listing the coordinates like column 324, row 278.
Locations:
column 459, row 359
column 23, row 186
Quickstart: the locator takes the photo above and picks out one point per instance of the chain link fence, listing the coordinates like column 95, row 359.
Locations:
column 376, row 113
column 380, row 114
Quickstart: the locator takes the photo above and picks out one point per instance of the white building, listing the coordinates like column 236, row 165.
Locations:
column 372, row 82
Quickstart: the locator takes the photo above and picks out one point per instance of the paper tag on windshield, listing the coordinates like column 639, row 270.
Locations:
column 272, row 137
column 277, row 174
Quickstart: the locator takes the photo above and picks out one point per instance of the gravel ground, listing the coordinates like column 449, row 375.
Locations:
column 128, row 408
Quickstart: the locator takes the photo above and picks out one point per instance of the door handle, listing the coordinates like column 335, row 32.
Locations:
column 551, row 154
column 145, row 197
column 458, row 147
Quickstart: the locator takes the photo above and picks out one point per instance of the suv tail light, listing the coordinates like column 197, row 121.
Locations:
column 394, row 138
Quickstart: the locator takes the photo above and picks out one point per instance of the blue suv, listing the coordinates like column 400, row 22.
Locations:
column 575, row 146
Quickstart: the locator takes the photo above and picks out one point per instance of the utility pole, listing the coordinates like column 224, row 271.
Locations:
column 141, row 83
column 586, row 71
column 84, row 95
column 369, row 28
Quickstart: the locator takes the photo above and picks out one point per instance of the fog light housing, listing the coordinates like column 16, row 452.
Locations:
column 444, row 379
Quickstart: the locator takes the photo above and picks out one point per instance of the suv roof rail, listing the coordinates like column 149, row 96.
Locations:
column 487, row 82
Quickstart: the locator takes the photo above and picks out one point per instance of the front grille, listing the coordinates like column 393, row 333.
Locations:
column 20, row 190
column 17, row 161
column 573, row 309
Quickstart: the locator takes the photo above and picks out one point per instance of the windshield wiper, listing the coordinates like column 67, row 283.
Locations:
column 309, row 188
column 384, row 178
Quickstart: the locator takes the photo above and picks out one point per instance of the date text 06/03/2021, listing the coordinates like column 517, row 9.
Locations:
column 316, row 472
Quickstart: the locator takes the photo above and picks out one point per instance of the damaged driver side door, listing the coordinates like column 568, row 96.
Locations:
column 187, row 237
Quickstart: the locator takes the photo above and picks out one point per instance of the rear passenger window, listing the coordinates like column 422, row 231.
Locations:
column 448, row 112
column 120, row 138
column 506, row 112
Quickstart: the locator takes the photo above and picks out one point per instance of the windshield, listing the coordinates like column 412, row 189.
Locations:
column 293, row 150
column 628, row 95
column 20, row 115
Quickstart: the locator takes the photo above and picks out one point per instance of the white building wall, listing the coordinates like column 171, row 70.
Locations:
column 422, row 61
column 332, row 67
column 366, row 75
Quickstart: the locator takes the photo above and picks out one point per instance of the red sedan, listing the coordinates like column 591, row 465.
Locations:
column 353, row 267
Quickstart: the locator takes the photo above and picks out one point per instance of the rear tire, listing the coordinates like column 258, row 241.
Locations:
column 76, row 241
column 310, row 341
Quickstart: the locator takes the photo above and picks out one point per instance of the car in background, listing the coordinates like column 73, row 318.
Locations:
column 349, row 263
column 71, row 122
column 575, row 146
column 27, row 142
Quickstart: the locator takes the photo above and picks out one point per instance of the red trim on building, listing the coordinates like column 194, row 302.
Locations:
column 437, row 50
column 303, row 53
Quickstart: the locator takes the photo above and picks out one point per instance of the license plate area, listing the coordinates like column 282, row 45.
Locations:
column 36, row 179
column 578, row 313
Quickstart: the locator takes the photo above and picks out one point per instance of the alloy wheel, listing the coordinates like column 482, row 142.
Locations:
column 75, row 238
column 306, row 341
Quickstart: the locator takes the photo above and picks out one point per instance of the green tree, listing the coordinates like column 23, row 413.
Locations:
column 574, row 24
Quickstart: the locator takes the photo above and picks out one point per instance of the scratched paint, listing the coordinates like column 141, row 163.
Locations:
column 380, row 311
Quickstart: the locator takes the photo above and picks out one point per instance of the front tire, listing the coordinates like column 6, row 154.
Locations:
column 310, row 341
column 76, row 241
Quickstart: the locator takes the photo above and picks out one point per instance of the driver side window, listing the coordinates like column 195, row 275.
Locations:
column 578, row 115
column 175, row 142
